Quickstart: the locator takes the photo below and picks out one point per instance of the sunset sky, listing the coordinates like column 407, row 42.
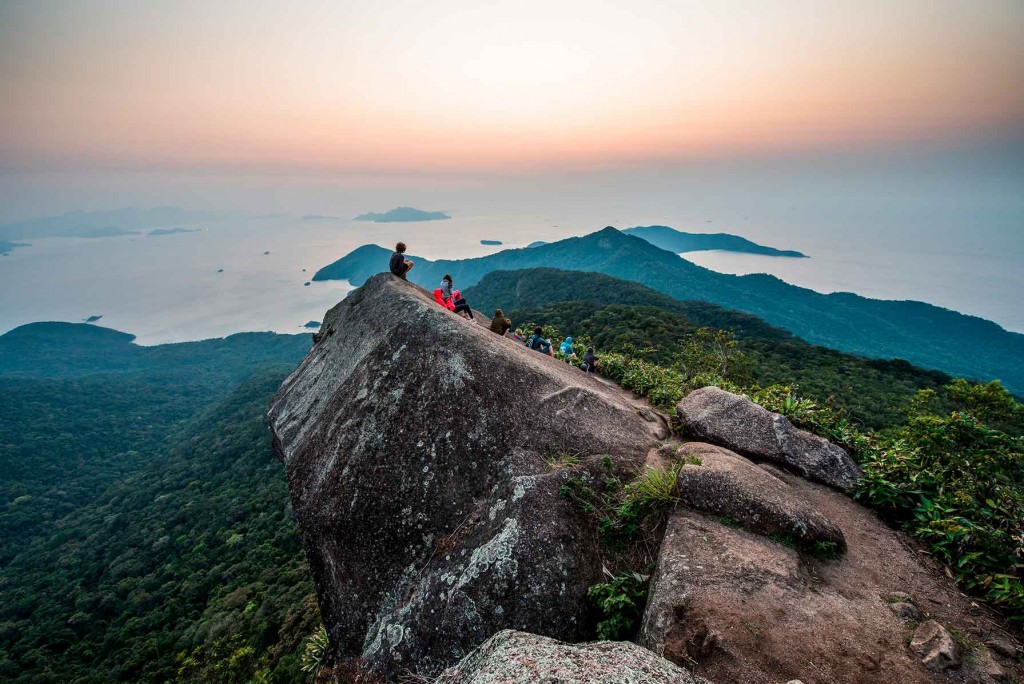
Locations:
column 401, row 86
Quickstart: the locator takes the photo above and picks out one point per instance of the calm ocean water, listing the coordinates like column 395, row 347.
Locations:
column 951, row 239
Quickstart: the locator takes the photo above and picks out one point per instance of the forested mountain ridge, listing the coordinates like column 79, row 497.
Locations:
column 64, row 350
column 923, row 334
column 679, row 241
column 627, row 317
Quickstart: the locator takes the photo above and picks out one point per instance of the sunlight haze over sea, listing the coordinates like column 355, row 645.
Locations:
column 941, row 229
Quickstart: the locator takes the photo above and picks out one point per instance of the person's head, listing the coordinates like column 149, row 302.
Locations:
column 498, row 314
column 400, row 247
column 448, row 277
column 569, row 340
column 519, row 331
column 538, row 330
column 590, row 350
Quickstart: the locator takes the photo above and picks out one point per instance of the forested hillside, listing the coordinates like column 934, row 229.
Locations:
column 146, row 526
column 628, row 317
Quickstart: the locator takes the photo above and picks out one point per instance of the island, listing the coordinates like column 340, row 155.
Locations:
column 93, row 319
column 312, row 325
column 173, row 231
column 102, row 224
column 538, row 243
column 7, row 247
column 95, row 232
column 679, row 242
column 491, row 242
column 403, row 215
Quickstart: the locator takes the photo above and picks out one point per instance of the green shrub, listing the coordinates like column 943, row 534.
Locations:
column 621, row 603
column 957, row 485
column 654, row 489
column 314, row 651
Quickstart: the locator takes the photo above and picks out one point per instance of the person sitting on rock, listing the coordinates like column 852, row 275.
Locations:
column 399, row 264
column 461, row 307
column 446, row 290
column 518, row 335
column 590, row 361
column 538, row 343
column 500, row 324
column 439, row 299
column 566, row 349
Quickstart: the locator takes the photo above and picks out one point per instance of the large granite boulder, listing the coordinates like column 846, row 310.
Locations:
column 713, row 415
column 511, row 657
column 735, row 606
column 414, row 443
column 730, row 486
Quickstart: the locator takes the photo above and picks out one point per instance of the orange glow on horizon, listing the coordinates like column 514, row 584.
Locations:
column 460, row 86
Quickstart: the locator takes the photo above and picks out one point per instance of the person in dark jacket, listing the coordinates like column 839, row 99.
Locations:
column 399, row 265
column 500, row 324
column 460, row 304
column 538, row 343
column 590, row 361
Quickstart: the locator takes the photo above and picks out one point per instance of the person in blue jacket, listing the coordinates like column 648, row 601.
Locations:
column 566, row 349
column 538, row 343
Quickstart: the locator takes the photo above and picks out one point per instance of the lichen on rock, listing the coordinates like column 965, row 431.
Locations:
column 412, row 439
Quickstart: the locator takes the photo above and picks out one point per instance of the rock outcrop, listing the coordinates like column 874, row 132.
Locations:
column 450, row 484
column 737, row 607
column 414, row 443
column 730, row 486
column 511, row 657
column 714, row 415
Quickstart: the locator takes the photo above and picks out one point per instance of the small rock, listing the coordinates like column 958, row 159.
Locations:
column 987, row 667
column 906, row 611
column 1002, row 646
column 900, row 597
column 794, row 681
column 936, row 647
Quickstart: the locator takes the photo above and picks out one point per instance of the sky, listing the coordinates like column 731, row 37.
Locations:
column 457, row 88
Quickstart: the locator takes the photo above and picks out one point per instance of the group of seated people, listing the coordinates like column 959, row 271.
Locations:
column 538, row 342
column 447, row 296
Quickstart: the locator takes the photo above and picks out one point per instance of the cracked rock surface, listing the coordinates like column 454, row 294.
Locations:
column 714, row 415
column 516, row 658
column 414, row 443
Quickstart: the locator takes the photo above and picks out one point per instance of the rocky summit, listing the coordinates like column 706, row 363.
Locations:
column 415, row 443
column 435, row 470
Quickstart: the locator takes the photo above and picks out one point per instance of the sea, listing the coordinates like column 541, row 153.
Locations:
column 915, row 231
